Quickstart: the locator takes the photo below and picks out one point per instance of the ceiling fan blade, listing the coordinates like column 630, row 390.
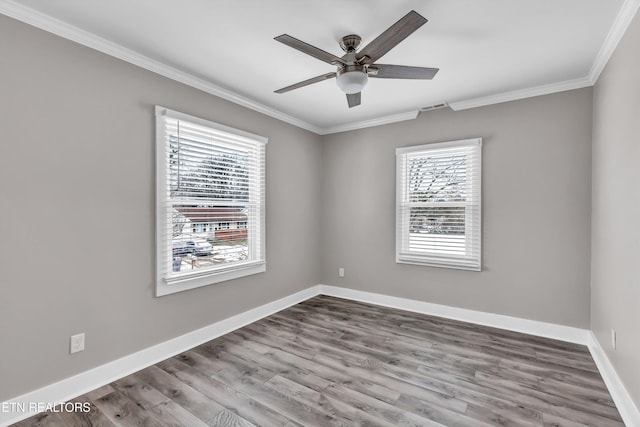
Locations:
column 391, row 37
column 353, row 99
column 306, row 82
column 309, row 49
column 385, row 71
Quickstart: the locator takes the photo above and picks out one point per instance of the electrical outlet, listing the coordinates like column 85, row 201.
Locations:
column 77, row 343
column 613, row 339
column 341, row 272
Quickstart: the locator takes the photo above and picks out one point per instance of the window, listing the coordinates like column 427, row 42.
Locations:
column 438, row 204
column 205, row 173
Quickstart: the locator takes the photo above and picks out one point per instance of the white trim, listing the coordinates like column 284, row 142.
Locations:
column 164, row 287
column 526, row 326
column 471, row 258
column 70, row 32
column 628, row 411
column 236, row 134
column 84, row 382
column 620, row 24
column 624, row 403
column 168, row 282
column 521, row 94
column 625, row 15
column 410, row 115
column 439, row 145
column 85, row 38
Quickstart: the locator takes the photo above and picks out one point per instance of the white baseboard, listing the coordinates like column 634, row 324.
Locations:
column 621, row 397
column 84, row 382
column 532, row 327
column 628, row 410
column 18, row 408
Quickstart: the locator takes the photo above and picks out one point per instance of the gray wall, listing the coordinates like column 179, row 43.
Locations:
column 536, row 204
column 77, row 209
column 615, row 267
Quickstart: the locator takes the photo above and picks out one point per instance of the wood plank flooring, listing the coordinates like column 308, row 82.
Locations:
column 329, row 361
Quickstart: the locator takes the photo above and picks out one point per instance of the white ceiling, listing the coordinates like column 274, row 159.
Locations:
column 487, row 50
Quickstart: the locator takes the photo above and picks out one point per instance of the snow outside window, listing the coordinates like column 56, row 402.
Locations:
column 438, row 209
column 207, row 174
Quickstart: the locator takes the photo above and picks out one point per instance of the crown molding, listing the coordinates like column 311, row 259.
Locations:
column 521, row 94
column 47, row 23
column 625, row 15
column 410, row 115
column 85, row 38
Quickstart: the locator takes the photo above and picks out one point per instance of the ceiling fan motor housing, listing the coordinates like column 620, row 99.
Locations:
column 350, row 42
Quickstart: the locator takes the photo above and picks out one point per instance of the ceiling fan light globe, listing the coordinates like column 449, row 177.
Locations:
column 351, row 82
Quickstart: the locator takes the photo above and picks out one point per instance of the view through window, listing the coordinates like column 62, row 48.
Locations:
column 211, row 195
column 438, row 212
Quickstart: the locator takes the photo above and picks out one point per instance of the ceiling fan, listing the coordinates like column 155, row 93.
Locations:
column 355, row 67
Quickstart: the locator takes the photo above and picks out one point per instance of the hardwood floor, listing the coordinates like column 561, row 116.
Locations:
column 329, row 361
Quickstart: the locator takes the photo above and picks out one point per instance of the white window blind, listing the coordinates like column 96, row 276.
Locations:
column 438, row 209
column 210, row 202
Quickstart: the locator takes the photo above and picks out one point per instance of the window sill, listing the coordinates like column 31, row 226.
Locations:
column 165, row 287
column 440, row 263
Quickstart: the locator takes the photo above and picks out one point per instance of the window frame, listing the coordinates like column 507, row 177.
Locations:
column 473, row 229
column 166, row 285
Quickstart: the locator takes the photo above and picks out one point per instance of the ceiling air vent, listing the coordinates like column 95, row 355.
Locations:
column 434, row 107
